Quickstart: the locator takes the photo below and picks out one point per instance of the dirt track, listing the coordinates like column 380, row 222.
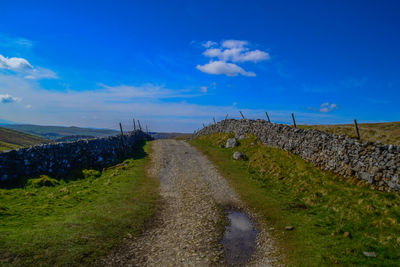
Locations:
column 188, row 228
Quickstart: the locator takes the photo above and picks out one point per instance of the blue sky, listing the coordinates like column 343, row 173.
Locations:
column 177, row 64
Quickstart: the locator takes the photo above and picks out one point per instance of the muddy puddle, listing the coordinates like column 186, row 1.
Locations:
column 239, row 239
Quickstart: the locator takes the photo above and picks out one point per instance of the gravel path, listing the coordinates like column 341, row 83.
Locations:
column 188, row 228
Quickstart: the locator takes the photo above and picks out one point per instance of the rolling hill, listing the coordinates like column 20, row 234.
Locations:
column 11, row 139
column 55, row 132
column 385, row 132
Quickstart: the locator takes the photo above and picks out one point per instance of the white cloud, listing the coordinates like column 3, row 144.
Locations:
column 40, row 73
column 228, row 53
column 221, row 67
column 237, row 55
column 14, row 42
column 146, row 91
column 209, row 44
column 23, row 67
column 5, row 99
column 234, row 43
column 327, row 107
column 14, row 63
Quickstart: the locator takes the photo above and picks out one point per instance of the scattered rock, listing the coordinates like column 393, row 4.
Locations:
column 347, row 234
column 369, row 254
column 289, row 228
column 238, row 155
column 231, row 142
column 241, row 137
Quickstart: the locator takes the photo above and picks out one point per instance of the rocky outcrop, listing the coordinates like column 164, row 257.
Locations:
column 376, row 163
column 59, row 159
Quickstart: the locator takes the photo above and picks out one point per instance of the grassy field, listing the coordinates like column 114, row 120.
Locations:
column 10, row 139
column 54, row 132
column 73, row 223
column 335, row 220
column 386, row 132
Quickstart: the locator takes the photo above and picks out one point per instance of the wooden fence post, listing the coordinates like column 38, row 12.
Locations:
column 140, row 126
column 242, row 114
column 294, row 121
column 122, row 135
column 356, row 126
column 267, row 117
column 134, row 125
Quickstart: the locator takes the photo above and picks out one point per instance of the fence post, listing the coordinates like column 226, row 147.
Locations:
column 356, row 126
column 122, row 135
column 294, row 121
column 267, row 117
column 140, row 126
column 241, row 114
column 134, row 125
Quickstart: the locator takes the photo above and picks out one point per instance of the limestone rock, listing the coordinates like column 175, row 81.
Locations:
column 231, row 142
column 238, row 155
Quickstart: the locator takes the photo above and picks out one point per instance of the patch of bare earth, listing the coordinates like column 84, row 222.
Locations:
column 188, row 229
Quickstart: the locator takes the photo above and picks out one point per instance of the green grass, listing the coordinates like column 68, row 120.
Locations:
column 10, row 139
column 286, row 190
column 386, row 132
column 73, row 223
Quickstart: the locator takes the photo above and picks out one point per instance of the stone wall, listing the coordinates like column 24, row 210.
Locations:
column 59, row 159
column 376, row 163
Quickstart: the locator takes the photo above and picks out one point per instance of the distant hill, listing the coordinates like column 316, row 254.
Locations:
column 167, row 135
column 11, row 139
column 385, row 132
column 56, row 132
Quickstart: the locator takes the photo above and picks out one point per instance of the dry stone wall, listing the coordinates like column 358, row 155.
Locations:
column 376, row 163
column 59, row 159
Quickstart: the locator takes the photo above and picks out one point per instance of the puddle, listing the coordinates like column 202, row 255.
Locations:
column 239, row 239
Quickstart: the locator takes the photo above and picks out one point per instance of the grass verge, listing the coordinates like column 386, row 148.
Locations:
column 73, row 223
column 335, row 220
column 384, row 132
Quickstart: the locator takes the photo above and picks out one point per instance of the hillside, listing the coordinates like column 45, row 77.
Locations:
column 161, row 135
column 11, row 139
column 54, row 132
column 386, row 132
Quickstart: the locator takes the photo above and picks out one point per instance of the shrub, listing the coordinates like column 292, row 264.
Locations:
column 91, row 173
column 43, row 180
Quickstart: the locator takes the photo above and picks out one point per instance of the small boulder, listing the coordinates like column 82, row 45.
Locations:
column 289, row 228
column 231, row 142
column 369, row 254
column 241, row 137
column 238, row 155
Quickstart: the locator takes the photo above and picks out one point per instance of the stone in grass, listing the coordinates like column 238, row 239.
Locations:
column 347, row 234
column 289, row 228
column 231, row 142
column 369, row 254
column 238, row 155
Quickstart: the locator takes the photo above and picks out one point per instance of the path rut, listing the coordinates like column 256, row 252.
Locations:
column 188, row 228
